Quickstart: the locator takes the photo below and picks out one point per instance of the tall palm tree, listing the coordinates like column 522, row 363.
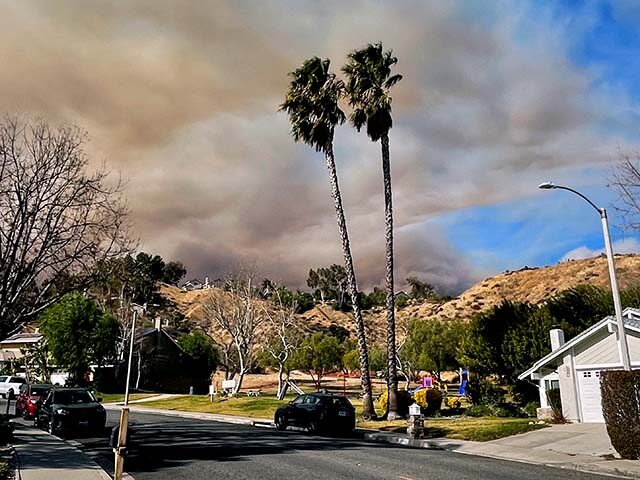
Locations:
column 312, row 105
column 369, row 79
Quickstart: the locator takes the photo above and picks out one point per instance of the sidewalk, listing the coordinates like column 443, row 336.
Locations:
column 579, row 446
column 583, row 447
column 44, row 457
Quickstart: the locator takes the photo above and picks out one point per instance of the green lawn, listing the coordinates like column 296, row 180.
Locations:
column 119, row 397
column 258, row 407
column 479, row 429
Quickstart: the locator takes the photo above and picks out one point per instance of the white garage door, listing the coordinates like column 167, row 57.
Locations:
column 589, row 381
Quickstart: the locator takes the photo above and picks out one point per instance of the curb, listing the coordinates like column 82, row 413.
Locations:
column 78, row 446
column 563, row 466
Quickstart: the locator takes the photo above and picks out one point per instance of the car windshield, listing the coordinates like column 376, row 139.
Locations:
column 40, row 389
column 67, row 397
column 3, row 378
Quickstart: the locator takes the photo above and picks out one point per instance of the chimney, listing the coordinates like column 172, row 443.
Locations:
column 158, row 322
column 557, row 338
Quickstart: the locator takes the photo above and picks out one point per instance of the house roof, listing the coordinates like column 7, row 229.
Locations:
column 21, row 338
column 630, row 316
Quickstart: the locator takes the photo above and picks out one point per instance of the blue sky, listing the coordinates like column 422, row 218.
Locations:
column 541, row 227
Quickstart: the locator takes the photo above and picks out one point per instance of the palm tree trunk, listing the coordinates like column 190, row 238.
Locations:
column 368, row 411
column 392, row 379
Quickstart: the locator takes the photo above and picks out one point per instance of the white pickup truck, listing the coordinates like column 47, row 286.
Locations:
column 10, row 385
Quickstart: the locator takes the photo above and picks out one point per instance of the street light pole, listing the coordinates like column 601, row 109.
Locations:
column 133, row 333
column 622, row 335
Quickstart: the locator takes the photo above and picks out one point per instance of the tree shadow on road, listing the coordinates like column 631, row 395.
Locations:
column 156, row 446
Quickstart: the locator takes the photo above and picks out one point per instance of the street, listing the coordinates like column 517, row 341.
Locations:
column 176, row 448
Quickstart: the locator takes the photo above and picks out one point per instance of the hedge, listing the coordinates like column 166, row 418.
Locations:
column 621, row 409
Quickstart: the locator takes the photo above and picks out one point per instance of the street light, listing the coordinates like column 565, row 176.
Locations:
column 622, row 336
column 121, row 442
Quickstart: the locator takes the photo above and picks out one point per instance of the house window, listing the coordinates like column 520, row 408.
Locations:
column 586, row 374
column 551, row 384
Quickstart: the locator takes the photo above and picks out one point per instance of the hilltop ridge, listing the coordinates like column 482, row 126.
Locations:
column 529, row 284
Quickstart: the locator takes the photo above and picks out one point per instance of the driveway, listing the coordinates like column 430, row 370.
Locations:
column 573, row 439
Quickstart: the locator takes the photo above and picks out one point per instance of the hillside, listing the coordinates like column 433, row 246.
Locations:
column 531, row 285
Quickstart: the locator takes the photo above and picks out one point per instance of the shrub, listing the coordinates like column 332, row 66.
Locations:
column 479, row 411
column 484, row 392
column 453, row 403
column 404, row 400
column 621, row 410
column 6, row 471
column 430, row 399
column 504, row 410
column 531, row 409
column 555, row 402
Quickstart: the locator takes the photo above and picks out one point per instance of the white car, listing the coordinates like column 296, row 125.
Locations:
column 10, row 385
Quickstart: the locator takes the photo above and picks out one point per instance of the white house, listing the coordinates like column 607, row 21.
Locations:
column 575, row 366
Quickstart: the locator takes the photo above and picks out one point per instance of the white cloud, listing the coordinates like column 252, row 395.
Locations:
column 627, row 245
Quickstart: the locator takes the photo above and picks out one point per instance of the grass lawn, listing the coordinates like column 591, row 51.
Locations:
column 259, row 407
column 480, row 429
column 119, row 397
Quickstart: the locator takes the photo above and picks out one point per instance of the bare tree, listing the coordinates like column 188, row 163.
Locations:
column 57, row 218
column 624, row 179
column 281, row 323
column 237, row 314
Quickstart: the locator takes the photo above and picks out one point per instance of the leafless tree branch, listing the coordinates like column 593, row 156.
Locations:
column 57, row 217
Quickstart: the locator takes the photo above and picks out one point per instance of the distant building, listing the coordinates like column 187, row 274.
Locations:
column 18, row 342
column 196, row 284
column 160, row 365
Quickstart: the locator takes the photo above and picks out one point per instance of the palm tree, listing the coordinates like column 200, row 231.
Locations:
column 369, row 80
column 312, row 105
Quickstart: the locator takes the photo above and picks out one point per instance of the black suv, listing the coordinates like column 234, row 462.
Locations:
column 319, row 412
column 64, row 409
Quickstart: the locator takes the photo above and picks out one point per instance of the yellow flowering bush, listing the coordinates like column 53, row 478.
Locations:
column 453, row 402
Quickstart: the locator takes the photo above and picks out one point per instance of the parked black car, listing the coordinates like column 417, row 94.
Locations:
column 64, row 409
column 319, row 412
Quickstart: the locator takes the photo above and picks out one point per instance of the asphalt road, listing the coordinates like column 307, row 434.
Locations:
column 175, row 448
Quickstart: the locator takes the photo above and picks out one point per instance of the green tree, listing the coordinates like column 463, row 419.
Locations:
column 318, row 355
column 432, row 345
column 377, row 297
column 78, row 334
column 173, row 272
column 377, row 359
column 312, row 105
column 329, row 283
column 37, row 362
column 420, row 290
column 201, row 348
column 369, row 80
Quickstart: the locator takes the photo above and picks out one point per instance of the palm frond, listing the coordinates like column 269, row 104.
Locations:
column 311, row 102
column 369, row 78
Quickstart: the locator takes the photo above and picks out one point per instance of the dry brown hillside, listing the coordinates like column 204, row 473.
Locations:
column 532, row 285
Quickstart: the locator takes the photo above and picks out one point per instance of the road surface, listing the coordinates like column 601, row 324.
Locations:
column 170, row 448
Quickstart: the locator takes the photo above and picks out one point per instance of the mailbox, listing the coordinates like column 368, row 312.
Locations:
column 414, row 410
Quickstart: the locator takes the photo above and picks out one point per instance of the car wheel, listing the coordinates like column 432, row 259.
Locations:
column 281, row 422
column 315, row 426
column 54, row 429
